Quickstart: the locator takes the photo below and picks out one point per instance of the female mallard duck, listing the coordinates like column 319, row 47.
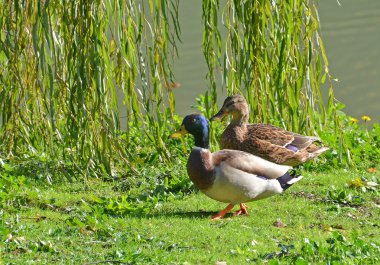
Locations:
column 231, row 176
column 267, row 141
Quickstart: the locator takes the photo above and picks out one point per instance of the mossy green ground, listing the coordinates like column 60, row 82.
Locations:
column 90, row 223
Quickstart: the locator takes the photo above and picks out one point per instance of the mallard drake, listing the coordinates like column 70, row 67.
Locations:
column 231, row 176
column 267, row 141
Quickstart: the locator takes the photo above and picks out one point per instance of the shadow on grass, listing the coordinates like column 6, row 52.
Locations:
column 206, row 215
column 190, row 215
column 174, row 214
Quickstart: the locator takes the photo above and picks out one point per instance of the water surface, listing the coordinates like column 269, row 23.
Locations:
column 351, row 33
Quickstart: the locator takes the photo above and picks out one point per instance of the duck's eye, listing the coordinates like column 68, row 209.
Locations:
column 228, row 105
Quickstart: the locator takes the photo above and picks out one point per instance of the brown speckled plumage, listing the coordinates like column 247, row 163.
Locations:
column 264, row 140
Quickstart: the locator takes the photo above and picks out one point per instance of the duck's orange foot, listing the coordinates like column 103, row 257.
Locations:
column 223, row 212
column 243, row 210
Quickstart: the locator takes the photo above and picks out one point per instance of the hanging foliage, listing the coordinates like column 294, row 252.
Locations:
column 65, row 64
column 71, row 70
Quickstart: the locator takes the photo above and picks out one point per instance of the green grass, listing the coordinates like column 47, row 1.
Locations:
column 90, row 223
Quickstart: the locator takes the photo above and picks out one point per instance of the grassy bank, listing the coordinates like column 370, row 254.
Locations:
column 327, row 217
column 76, row 189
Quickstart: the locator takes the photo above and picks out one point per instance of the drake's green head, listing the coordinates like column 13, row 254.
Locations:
column 197, row 125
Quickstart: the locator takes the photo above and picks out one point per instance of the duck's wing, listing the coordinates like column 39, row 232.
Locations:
column 301, row 141
column 249, row 163
column 278, row 136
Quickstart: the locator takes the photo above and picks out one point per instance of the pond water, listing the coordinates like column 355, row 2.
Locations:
column 351, row 33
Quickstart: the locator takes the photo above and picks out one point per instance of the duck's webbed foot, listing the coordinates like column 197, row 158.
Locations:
column 223, row 212
column 243, row 210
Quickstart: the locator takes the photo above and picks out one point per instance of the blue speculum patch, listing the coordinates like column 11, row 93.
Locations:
column 292, row 147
